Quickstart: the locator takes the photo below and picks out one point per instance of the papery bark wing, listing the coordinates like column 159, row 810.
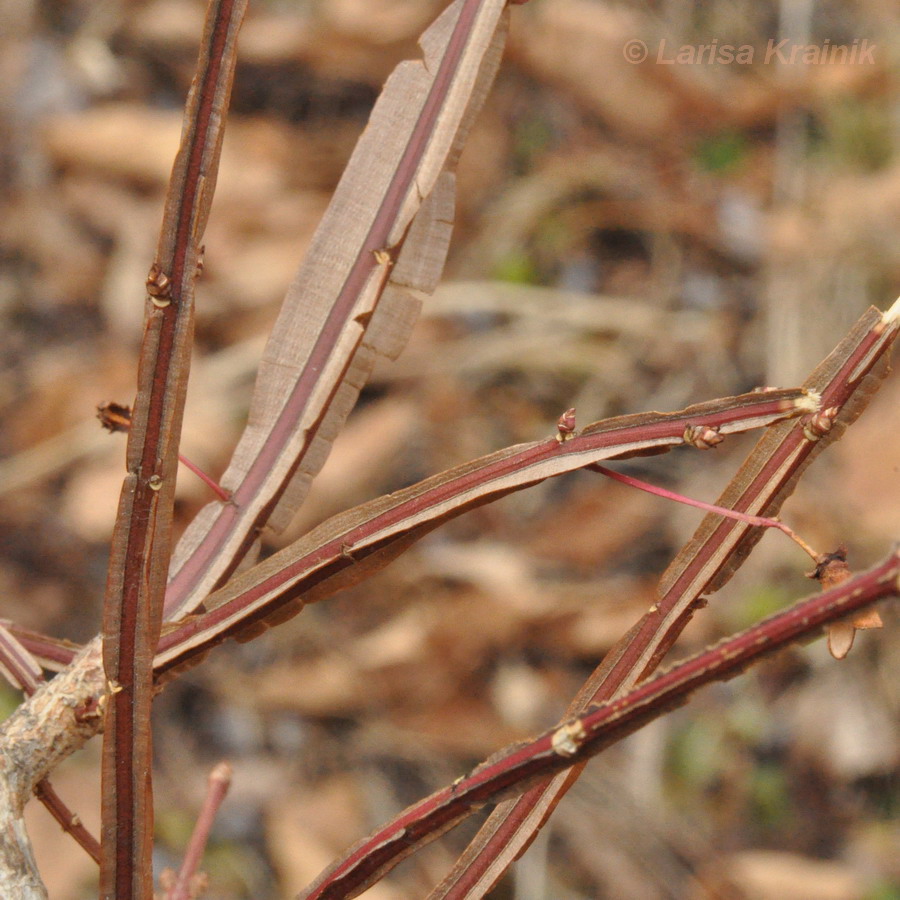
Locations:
column 844, row 381
column 385, row 235
column 353, row 544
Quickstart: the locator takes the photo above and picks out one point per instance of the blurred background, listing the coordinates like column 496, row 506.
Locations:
column 630, row 235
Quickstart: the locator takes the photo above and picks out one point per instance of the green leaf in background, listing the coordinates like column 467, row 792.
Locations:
column 721, row 153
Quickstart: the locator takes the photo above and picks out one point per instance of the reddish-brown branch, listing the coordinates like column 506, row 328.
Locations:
column 384, row 528
column 251, row 502
column 141, row 540
column 597, row 728
column 69, row 821
column 50, row 653
column 17, row 664
column 844, row 381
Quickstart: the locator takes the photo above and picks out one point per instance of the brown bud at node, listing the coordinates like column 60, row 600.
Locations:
column 832, row 570
column 89, row 710
column 159, row 286
column 565, row 425
column 820, row 423
column 566, row 740
column 703, row 437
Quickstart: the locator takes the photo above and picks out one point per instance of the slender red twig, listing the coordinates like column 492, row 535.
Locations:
column 387, row 526
column 760, row 521
column 70, row 822
column 217, row 787
column 116, row 417
column 216, row 488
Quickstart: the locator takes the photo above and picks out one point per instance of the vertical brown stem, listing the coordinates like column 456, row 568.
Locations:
column 141, row 539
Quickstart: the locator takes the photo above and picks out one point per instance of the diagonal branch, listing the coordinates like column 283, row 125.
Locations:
column 139, row 557
column 353, row 544
column 595, row 729
column 845, row 380
column 386, row 232
column 17, row 665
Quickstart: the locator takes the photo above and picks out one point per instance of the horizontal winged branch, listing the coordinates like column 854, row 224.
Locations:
column 594, row 730
column 353, row 544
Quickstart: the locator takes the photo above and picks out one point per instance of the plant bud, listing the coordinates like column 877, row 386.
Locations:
column 159, row 287
column 820, row 423
column 703, row 437
column 114, row 416
column 565, row 425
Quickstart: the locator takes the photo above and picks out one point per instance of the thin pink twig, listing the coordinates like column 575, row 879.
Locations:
column 217, row 788
column 761, row 521
column 216, row 488
column 69, row 822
